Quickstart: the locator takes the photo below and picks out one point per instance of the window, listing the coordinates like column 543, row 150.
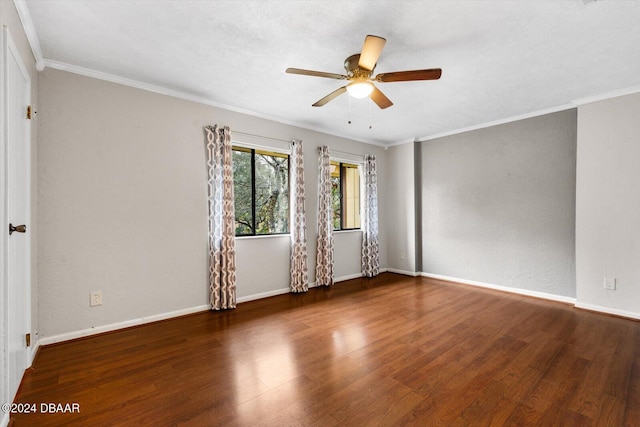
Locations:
column 261, row 192
column 345, row 190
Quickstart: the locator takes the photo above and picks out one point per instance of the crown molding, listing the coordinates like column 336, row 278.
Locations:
column 87, row 72
column 42, row 63
column 607, row 95
column 573, row 104
column 401, row 142
column 30, row 31
column 499, row 122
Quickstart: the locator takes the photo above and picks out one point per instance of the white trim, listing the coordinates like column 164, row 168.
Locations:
column 121, row 325
column 608, row 310
column 4, row 238
column 357, row 159
column 402, row 142
column 345, row 157
column 498, row 122
column 149, row 319
column 526, row 292
column 283, row 291
column 41, row 63
column 9, row 48
column 34, row 351
column 573, row 104
column 607, row 95
column 347, row 277
column 189, row 97
column 30, row 32
column 261, row 295
column 404, row 272
column 279, row 147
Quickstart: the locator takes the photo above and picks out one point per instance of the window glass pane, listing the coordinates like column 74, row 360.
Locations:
column 335, row 195
column 242, row 191
column 351, row 196
column 272, row 193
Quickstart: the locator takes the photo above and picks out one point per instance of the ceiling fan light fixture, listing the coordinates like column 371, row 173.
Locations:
column 360, row 89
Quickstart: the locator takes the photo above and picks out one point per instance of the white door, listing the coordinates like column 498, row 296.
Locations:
column 17, row 94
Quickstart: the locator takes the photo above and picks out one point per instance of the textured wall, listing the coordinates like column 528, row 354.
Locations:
column 608, row 204
column 122, row 190
column 499, row 204
column 400, row 223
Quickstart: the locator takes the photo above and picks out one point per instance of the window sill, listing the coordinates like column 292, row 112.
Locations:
column 353, row 230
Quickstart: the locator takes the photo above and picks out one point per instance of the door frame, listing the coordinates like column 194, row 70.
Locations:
column 8, row 47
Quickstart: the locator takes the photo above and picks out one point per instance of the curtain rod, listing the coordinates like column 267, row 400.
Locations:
column 288, row 141
column 345, row 152
column 261, row 136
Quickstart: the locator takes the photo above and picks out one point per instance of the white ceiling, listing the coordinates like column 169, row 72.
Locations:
column 500, row 59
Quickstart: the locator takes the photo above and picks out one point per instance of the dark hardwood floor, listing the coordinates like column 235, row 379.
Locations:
column 393, row 350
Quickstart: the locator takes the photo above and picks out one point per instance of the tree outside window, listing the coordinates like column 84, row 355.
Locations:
column 261, row 192
column 345, row 192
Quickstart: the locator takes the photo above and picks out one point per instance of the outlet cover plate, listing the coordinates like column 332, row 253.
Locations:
column 610, row 283
column 95, row 298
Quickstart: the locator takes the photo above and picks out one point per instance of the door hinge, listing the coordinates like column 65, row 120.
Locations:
column 29, row 112
column 27, row 339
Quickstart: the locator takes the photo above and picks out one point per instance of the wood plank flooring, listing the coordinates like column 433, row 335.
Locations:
column 392, row 350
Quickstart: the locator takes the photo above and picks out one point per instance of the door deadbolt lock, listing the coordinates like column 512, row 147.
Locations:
column 17, row 228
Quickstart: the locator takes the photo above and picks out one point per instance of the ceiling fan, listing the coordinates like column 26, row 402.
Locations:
column 359, row 68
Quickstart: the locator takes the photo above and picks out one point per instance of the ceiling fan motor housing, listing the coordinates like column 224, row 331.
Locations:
column 353, row 71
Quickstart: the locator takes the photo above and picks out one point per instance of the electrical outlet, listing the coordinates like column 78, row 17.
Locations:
column 610, row 283
column 95, row 298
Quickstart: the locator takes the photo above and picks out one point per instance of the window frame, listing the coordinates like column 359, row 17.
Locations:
column 269, row 151
column 348, row 164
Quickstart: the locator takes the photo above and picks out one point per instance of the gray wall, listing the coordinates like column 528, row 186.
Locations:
column 401, row 221
column 498, row 205
column 608, row 205
column 122, row 194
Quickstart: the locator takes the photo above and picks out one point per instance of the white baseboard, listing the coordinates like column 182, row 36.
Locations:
column 543, row 295
column 33, row 352
column 263, row 295
column 403, row 272
column 134, row 322
column 282, row 291
column 608, row 310
column 120, row 325
column 140, row 321
column 347, row 277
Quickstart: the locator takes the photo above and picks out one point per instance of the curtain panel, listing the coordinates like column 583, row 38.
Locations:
column 299, row 274
column 324, row 254
column 370, row 247
column 222, row 251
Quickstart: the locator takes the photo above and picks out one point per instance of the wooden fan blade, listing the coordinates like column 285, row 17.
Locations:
column 371, row 52
column 404, row 76
column 380, row 98
column 315, row 73
column 331, row 96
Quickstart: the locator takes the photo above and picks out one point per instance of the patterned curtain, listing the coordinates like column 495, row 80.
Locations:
column 222, row 243
column 370, row 256
column 299, row 273
column 324, row 257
